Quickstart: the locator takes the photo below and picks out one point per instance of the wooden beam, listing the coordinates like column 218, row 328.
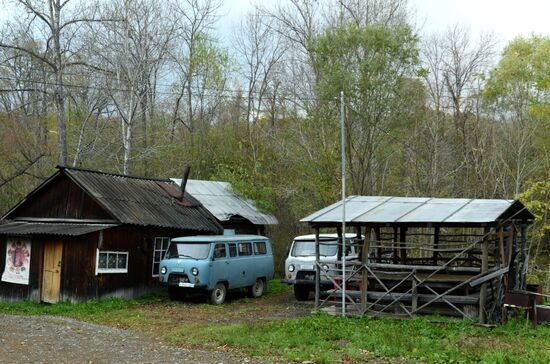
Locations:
column 483, row 291
column 317, row 269
column 436, row 244
column 524, row 257
column 403, row 240
column 395, row 251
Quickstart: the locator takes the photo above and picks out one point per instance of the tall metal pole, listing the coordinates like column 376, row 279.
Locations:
column 343, row 149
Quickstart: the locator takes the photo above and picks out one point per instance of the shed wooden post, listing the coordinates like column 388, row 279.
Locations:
column 317, row 269
column 364, row 274
column 378, row 243
column 483, row 289
column 402, row 243
column 395, row 251
column 524, row 257
column 436, row 244
column 414, row 298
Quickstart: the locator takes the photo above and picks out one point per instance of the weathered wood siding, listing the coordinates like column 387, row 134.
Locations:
column 61, row 198
column 243, row 226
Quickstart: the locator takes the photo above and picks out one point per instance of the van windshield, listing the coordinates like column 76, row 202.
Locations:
column 188, row 250
column 305, row 248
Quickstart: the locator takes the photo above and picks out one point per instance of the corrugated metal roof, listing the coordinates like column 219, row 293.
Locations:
column 384, row 209
column 219, row 199
column 144, row 201
column 33, row 228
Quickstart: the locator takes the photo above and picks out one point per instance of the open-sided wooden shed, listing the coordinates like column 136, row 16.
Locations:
column 427, row 255
column 85, row 234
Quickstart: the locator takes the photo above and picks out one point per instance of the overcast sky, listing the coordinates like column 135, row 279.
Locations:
column 506, row 18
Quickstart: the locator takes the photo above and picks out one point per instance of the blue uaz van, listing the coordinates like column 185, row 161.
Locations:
column 215, row 264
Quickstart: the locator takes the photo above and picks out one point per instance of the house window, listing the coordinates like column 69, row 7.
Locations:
column 159, row 249
column 111, row 262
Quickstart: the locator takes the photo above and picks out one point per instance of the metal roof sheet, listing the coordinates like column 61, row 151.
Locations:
column 33, row 228
column 144, row 201
column 223, row 203
column 215, row 238
column 384, row 209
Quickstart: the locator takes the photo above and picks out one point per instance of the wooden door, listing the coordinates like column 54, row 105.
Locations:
column 51, row 274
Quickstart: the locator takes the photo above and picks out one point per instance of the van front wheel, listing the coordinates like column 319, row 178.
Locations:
column 217, row 295
column 301, row 293
column 257, row 290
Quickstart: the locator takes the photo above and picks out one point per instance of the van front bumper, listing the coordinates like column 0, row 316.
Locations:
column 186, row 285
column 325, row 283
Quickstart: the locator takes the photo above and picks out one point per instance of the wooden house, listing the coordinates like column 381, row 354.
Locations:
column 85, row 234
column 427, row 255
column 235, row 213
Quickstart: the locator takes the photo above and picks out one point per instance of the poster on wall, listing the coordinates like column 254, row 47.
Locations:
column 18, row 261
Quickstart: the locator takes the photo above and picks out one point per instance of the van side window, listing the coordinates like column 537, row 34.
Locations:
column 219, row 251
column 259, row 247
column 232, row 250
column 245, row 249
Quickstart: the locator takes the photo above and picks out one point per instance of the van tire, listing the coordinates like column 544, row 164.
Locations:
column 176, row 294
column 217, row 295
column 301, row 293
column 257, row 289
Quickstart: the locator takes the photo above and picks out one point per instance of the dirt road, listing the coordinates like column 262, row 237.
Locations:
column 49, row 339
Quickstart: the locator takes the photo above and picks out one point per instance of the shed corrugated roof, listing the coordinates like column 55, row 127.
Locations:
column 32, row 228
column 144, row 201
column 219, row 199
column 385, row 209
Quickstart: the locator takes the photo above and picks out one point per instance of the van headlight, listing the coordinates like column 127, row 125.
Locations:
column 324, row 266
column 163, row 270
column 291, row 268
column 195, row 271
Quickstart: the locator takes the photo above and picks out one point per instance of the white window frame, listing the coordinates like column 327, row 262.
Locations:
column 162, row 252
column 110, row 270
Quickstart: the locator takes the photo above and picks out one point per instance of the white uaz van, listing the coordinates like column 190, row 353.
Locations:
column 300, row 263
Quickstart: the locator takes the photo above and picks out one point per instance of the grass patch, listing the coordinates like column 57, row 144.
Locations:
column 324, row 339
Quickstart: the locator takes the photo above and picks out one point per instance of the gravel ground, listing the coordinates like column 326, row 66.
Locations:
column 52, row 339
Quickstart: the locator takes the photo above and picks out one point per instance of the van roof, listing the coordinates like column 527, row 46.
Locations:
column 214, row 238
column 324, row 236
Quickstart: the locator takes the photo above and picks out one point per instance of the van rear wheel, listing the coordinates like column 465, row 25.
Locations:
column 301, row 293
column 257, row 289
column 217, row 295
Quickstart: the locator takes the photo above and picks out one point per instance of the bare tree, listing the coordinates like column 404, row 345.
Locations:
column 55, row 24
column 259, row 50
column 134, row 49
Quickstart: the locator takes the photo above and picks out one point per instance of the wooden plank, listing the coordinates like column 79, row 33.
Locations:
column 423, row 297
column 424, row 267
column 488, row 277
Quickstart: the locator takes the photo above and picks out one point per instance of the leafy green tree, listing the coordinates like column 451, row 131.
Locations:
column 372, row 65
column 518, row 94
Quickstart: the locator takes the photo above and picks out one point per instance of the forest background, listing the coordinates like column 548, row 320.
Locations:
column 142, row 87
